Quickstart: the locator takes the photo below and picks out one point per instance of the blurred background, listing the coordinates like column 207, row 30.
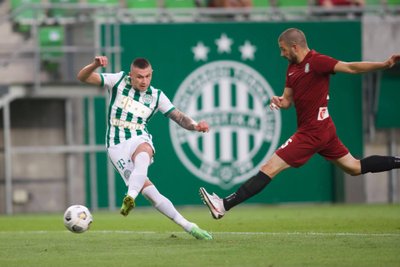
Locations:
column 216, row 60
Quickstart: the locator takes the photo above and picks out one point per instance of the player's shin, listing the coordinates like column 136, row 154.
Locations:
column 139, row 174
column 250, row 188
column 165, row 206
column 379, row 163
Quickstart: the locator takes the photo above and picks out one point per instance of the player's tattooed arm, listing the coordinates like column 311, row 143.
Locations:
column 182, row 120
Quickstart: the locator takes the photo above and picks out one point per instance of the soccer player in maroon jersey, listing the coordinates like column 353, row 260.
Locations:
column 307, row 88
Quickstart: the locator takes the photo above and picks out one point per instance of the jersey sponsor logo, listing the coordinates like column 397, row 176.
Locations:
column 127, row 124
column 307, row 68
column 323, row 113
column 233, row 98
column 136, row 108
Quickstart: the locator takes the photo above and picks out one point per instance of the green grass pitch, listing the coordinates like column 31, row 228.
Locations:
column 290, row 235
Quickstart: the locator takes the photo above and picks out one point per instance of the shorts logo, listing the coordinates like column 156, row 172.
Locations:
column 233, row 98
column 127, row 174
column 121, row 164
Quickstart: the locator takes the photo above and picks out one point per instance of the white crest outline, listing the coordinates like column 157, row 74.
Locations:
column 177, row 101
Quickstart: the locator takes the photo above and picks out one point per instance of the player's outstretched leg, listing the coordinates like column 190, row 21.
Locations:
column 199, row 233
column 127, row 205
column 214, row 203
column 165, row 206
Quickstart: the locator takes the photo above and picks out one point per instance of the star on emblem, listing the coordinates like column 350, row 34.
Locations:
column 200, row 51
column 247, row 50
column 224, row 44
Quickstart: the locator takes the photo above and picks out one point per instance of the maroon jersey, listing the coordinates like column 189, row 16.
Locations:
column 316, row 132
column 309, row 81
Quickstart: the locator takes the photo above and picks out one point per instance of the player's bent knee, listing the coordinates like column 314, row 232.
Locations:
column 353, row 171
column 147, row 183
column 144, row 147
column 274, row 166
column 350, row 165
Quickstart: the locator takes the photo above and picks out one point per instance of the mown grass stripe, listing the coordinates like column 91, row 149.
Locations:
column 218, row 233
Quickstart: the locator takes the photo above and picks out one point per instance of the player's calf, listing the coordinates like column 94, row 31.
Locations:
column 379, row 164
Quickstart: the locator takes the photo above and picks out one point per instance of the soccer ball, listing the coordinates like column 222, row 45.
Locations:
column 77, row 219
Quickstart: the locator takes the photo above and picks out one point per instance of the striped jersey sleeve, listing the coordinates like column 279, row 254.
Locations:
column 110, row 79
column 165, row 105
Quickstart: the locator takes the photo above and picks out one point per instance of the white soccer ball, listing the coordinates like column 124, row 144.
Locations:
column 77, row 218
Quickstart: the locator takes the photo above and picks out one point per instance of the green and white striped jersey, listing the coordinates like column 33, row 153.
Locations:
column 129, row 109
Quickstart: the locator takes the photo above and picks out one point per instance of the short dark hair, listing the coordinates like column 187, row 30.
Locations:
column 293, row 36
column 140, row 63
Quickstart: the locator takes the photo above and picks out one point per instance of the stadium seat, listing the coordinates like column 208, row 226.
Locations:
column 27, row 15
column 261, row 3
column 51, row 37
column 147, row 9
column 393, row 2
column 142, row 3
column 102, row 14
column 291, row 3
column 178, row 9
column 258, row 13
column 103, row 2
column 180, row 3
column 373, row 2
column 62, row 12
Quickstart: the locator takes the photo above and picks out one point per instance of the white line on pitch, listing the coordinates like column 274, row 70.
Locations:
column 218, row 233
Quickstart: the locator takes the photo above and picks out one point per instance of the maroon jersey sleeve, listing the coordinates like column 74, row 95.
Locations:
column 323, row 64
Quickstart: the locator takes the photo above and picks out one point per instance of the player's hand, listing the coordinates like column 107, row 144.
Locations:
column 202, row 126
column 101, row 61
column 393, row 60
column 276, row 102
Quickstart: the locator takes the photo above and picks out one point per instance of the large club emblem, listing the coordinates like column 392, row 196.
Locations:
column 233, row 98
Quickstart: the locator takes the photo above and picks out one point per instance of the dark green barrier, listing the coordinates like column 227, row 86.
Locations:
column 388, row 109
column 225, row 73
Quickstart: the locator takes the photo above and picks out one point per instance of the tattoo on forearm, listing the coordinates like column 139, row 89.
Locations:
column 182, row 120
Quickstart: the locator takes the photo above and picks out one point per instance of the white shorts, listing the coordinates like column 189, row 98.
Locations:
column 120, row 155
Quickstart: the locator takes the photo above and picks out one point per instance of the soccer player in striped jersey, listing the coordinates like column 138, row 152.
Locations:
column 307, row 89
column 133, row 102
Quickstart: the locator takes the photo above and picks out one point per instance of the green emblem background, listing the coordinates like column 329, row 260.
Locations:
column 251, row 121
column 169, row 49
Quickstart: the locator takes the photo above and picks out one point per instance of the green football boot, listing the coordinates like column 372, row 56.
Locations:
column 199, row 233
column 127, row 205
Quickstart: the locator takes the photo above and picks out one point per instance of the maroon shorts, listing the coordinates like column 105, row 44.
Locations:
column 299, row 148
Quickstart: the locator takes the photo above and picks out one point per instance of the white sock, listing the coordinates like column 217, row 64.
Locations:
column 139, row 174
column 165, row 206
